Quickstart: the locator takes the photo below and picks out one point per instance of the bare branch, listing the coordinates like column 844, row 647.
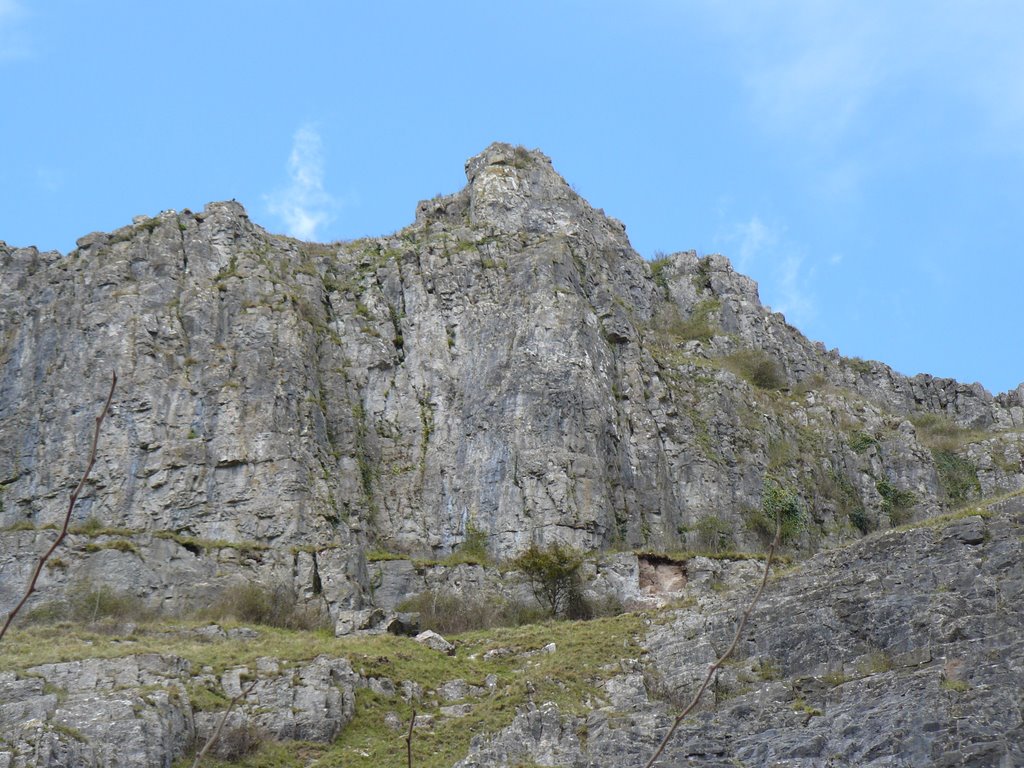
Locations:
column 220, row 726
column 67, row 517
column 408, row 739
column 728, row 652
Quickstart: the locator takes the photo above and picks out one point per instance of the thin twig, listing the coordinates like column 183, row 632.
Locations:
column 220, row 726
column 728, row 652
column 67, row 517
column 408, row 740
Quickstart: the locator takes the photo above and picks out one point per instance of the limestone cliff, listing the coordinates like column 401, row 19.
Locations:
column 505, row 369
column 507, row 363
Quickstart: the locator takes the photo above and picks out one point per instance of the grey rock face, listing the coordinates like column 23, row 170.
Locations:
column 119, row 712
column 136, row 711
column 507, row 364
column 902, row 650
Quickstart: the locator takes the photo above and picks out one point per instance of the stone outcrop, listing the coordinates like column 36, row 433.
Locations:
column 139, row 710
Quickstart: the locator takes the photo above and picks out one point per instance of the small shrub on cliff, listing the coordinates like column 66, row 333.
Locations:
column 713, row 534
column 553, row 575
column 957, row 475
column 757, row 367
column 698, row 326
column 658, row 266
column 938, row 432
column 780, row 507
column 896, row 502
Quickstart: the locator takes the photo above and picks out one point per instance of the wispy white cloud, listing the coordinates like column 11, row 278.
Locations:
column 304, row 205
column 795, row 292
column 14, row 42
column 786, row 278
column 752, row 238
column 818, row 70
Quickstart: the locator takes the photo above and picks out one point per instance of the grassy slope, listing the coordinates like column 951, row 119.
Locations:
column 587, row 653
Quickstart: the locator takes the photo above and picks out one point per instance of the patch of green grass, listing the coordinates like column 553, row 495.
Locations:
column 956, row 686
column 269, row 754
column 197, row 544
column 768, row 670
column 473, row 548
column 681, row 556
column 121, row 545
column 859, row 365
column 587, row 653
column 85, row 603
column 149, row 224
column 861, row 441
column 21, row 525
column 941, row 521
column 93, row 526
column 67, row 730
column 268, row 605
column 206, row 699
column 937, row 432
column 673, row 329
column 799, row 705
column 837, row 678
column 875, row 664
column 448, row 613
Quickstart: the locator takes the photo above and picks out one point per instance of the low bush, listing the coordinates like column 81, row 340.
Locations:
column 658, row 265
column 273, row 606
column 472, row 550
column 91, row 604
column 861, row 520
column 757, row 368
column 861, row 441
column 713, row 534
column 239, row 739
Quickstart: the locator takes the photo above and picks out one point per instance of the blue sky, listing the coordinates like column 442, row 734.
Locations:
column 861, row 160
